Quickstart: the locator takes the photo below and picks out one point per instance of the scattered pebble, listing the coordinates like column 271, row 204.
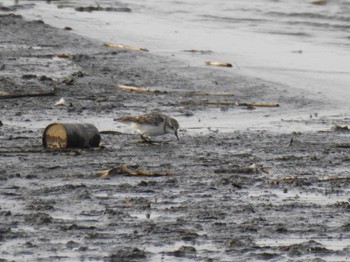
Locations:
column 60, row 102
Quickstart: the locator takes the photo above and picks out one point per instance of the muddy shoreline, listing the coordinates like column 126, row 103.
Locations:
column 232, row 196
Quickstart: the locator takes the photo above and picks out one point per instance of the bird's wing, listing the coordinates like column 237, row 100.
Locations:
column 152, row 119
column 126, row 119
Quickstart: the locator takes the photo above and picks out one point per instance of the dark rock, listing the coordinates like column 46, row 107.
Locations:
column 28, row 76
column 267, row 256
column 128, row 254
column 305, row 248
column 4, row 230
column 38, row 218
column 45, row 78
column 99, row 8
column 184, row 251
column 5, row 213
column 72, row 244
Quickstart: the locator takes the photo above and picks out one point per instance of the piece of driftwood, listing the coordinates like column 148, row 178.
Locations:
column 222, row 64
column 243, row 104
column 21, row 151
column 227, row 103
column 303, row 180
column 134, row 88
column 208, row 94
column 124, row 170
column 253, row 169
column 151, row 90
column 140, row 89
column 198, row 51
column 335, row 178
column 318, row 2
column 62, row 55
column 99, row 8
column 290, row 180
column 342, row 145
column 126, row 47
column 340, row 129
column 6, row 95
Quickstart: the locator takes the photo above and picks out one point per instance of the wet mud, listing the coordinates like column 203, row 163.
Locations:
column 214, row 196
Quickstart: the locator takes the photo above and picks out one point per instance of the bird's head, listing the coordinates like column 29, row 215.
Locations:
column 172, row 126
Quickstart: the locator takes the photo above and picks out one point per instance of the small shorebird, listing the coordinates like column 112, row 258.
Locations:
column 151, row 124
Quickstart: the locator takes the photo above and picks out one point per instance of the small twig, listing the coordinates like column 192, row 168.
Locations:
column 226, row 103
column 126, row 47
column 156, row 91
column 134, row 88
column 124, row 170
column 198, row 51
column 111, row 132
column 222, row 64
column 152, row 142
column 5, row 95
column 208, row 94
column 140, row 89
column 253, row 169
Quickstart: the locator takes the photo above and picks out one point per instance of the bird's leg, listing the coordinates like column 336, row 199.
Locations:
column 146, row 139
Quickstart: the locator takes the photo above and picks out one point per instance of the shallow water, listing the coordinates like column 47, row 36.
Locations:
column 295, row 43
column 300, row 47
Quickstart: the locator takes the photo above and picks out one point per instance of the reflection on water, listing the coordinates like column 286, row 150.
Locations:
column 294, row 43
column 300, row 47
column 323, row 23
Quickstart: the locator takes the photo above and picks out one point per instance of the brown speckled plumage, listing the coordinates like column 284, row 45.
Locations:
column 150, row 119
column 151, row 124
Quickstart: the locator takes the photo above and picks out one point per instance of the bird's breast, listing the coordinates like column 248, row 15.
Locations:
column 149, row 130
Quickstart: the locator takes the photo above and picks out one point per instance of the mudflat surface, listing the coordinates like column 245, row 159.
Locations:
column 216, row 196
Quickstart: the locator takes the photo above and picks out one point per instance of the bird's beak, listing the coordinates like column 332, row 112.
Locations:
column 176, row 135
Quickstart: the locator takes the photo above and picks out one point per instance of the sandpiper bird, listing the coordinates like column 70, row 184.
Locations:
column 151, row 124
